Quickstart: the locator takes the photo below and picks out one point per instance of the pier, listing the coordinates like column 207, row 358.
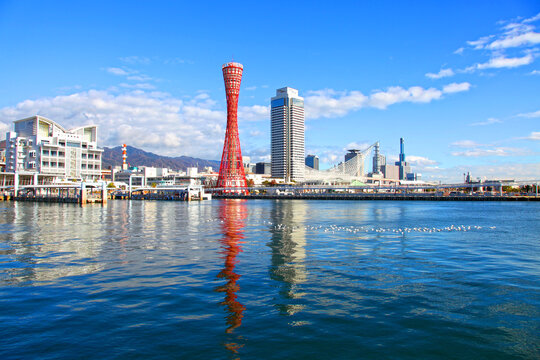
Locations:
column 83, row 193
column 178, row 193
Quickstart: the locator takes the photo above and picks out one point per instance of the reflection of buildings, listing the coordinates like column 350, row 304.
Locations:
column 56, row 247
column 288, row 250
column 232, row 214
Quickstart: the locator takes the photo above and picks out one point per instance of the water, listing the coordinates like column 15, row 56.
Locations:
column 270, row 279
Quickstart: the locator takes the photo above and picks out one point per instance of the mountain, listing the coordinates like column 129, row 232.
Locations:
column 137, row 157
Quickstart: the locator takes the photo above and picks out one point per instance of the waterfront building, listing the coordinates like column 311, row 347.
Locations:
column 287, row 135
column 390, row 171
column 359, row 156
column 312, row 161
column 41, row 146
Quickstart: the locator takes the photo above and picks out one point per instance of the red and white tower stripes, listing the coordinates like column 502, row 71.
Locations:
column 231, row 170
column 124, row 157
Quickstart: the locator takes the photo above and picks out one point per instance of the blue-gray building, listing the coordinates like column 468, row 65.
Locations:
column 312, row 161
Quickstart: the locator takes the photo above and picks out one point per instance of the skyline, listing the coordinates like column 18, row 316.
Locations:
column 459, row 82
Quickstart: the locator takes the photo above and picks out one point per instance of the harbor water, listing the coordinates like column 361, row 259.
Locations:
column 270, row 279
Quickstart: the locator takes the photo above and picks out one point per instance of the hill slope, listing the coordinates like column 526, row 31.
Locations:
column 137, row 157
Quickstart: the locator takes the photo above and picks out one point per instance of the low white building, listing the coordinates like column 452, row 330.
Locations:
column 39, row 145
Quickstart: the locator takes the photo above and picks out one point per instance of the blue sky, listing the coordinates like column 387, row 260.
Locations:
column 459, row 81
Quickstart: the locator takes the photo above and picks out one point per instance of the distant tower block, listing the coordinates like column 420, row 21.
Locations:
column 231, row 171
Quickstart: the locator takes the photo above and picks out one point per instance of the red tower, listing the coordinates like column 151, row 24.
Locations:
column 231, row 171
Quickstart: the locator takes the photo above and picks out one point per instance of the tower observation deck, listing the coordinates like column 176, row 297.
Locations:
column 231, row 170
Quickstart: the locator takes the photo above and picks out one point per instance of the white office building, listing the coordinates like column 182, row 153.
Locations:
column 39, row 145
column 287, row 131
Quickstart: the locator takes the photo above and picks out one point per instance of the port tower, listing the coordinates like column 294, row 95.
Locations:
column 231, row 170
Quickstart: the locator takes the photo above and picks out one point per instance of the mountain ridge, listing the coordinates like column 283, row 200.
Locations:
column 138, row 157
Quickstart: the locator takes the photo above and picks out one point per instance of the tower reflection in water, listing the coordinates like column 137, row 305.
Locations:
column 232, row 214
column 288, row 243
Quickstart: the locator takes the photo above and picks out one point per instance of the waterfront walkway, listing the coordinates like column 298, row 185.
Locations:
column 380, row 196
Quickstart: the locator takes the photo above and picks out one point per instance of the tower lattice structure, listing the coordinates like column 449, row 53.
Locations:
column 231, row 171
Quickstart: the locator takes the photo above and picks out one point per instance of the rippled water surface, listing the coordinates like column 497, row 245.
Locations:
column 270, row 279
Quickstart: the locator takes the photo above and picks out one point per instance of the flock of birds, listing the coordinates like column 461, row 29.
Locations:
column 367, row 229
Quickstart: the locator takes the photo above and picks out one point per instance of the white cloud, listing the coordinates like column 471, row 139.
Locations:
column 535, row 135
column 496, row 151
column 253, row 113
column 250, row 88
column 534, row 114
column 489, row 121
column 130, row 74
column 504, row 62
column 519, row 34
column 357, row 146
column 117, row 71
column 465, row 143
column 456, row 87
column 154, row 121
column 459, row 51
column 142, row 86
column 480, row 43
column 397, row 94
column 139, row 78
column 535, row 72
column 527, row 39
column 532, row 19
column 330, row 103
column 420, row 161
column 135, row 60
column 441, row 74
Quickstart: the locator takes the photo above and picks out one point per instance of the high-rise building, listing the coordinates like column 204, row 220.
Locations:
column 287, row 129
column 312, row 161
column 404, row 167
column 231, row 170
column 379, row 160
